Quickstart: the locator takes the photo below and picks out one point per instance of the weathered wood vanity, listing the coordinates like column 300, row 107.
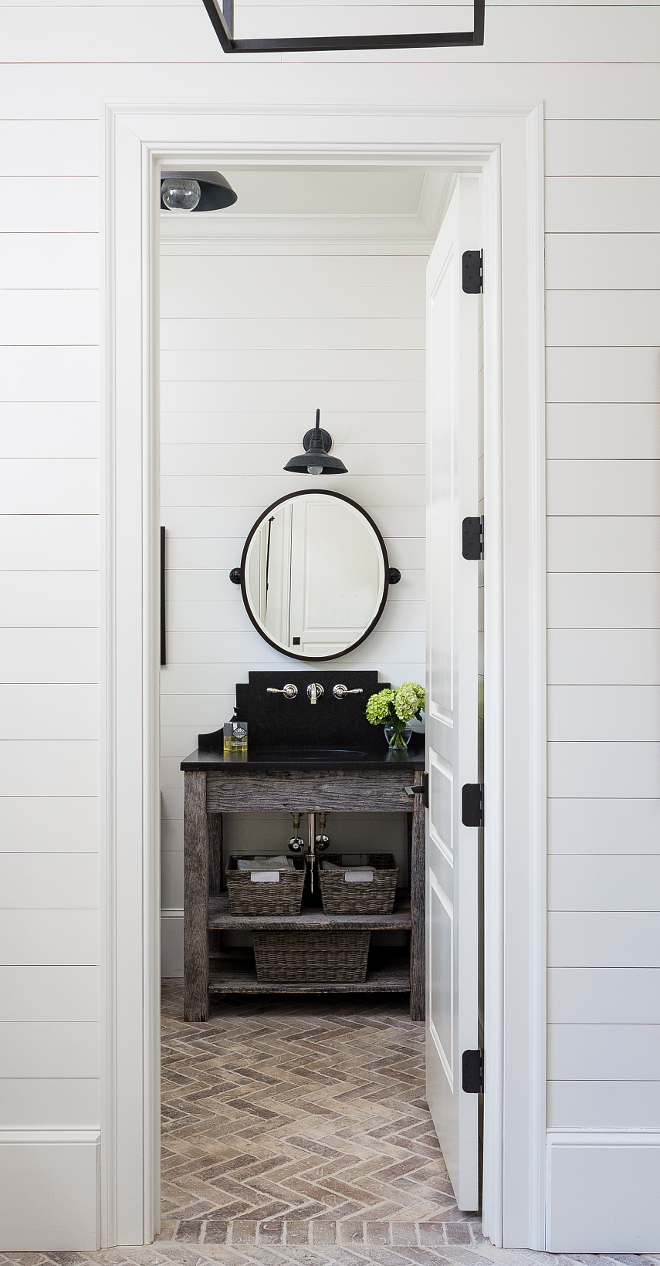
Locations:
column 356, row 777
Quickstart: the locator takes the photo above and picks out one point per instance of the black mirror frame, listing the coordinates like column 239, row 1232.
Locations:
column 391, row 574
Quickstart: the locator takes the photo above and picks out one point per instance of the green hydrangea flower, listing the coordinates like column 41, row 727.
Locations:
column 380, row 707
column 409, row 699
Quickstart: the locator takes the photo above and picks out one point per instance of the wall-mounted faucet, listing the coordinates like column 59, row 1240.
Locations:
column 314, row 691
column 289, row 691
column 340, row 691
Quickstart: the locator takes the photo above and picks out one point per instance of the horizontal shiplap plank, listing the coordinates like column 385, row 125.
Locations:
column 49, row 881
column 37, row 486
column 329, row 393
column 595, row 939
column 603, row 713
column 49, row 147
column 49, row 204
column 38, row 542
column 602, row 318
column 369, row 491
column 49, row 993
column 297, row 301
column 45, row 768
column 603, row 600
column 49, row 599
column 609, row 204
column 31, row 824
column 192, row 279
column 603, row 1052
column 594, row 374
column 49, row 937
column 603, row 544
column 49, row 1050
column 49, row 712
column 259, row 364
column 604, row 656
column 171, row 880
column 602, row 261
column 172, row 833
column 311, row 334
column 52, row 656
column 49, row 261
column 49, row 373
column 604, row 883
column 604, row 769
column 289, row 427
column 603, row 826
column 201, row 711
column 594, row 148
column 604, row 1105
column 597, row 487
column 204, row 648
column 603, row 995
column 247, row 459
column 624, row 431
column 35, row 429
column 50, row 1103
column 49, row 317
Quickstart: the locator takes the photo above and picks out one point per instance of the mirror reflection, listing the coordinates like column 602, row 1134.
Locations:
column 314, row 575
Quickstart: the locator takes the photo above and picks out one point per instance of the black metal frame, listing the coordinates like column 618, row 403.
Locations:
column 221, row 13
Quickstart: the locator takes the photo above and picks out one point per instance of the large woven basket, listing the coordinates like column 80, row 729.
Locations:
column 302, row 958
column 283, row 897
column 373, row 897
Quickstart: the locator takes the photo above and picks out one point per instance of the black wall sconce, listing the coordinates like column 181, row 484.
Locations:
column 315, row 460
column 221, row 13
column 195, row 191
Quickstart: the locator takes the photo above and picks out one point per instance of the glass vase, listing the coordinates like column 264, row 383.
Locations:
column 398, row 735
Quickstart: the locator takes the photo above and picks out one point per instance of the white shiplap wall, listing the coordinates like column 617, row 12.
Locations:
column 595, row 66
column 252, row 341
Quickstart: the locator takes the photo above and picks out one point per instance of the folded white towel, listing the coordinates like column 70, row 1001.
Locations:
column 343, row 869
column 264, row 863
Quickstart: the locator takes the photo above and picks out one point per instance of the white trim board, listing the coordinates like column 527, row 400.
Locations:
column 505, row 145
column 50, row 1190
column 603, row 1191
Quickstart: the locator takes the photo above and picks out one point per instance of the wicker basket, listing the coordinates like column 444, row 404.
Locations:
column 373, row 897
column 302, row 958
column 283, row 897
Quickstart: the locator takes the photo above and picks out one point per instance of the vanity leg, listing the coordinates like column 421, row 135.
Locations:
column 195, row 899
column 418, row 903
column 215, row 853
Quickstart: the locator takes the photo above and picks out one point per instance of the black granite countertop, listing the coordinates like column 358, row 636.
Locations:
column 306, row 759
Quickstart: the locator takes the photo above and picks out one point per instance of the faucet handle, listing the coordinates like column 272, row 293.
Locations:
column 314, row 691
column 289, row 691
column 340, row 691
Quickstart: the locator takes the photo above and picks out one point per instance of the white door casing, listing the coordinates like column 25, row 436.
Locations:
column 504, row 143
column 452, row 872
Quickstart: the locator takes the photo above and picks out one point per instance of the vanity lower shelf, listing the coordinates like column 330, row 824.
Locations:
column 312, row 919
column 388, row 972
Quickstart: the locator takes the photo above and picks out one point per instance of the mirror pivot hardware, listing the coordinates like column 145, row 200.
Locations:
column 236, row 575
column 422, row 789
column 472, row 1072
column 473, row 272
column 289, row 691
column 472, row 546
column 394, row 575
column 472, row 804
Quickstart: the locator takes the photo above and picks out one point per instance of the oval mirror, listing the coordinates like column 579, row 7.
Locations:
column 314, row 575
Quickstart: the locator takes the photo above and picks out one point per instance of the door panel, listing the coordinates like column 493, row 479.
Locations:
column 452, row 705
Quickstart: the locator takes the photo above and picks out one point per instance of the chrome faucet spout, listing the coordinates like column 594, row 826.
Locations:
column 314, row 691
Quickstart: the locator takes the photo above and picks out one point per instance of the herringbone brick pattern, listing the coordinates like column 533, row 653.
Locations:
column 301, row 1121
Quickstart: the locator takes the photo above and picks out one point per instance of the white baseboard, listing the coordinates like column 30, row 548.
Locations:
column 602, row 1191
column 171, row 943
column 49, row 1181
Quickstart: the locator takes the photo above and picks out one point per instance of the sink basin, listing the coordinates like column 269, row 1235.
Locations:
column 306, row 753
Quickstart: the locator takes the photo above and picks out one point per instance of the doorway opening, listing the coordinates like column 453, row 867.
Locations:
column 297, row 1119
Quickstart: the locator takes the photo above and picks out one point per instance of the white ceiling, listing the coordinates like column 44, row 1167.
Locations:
column 370, row 204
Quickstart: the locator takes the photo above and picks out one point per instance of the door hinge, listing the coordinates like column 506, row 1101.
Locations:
column 472, row 804
column 422, row 789
column 472, row 1072
column 473, row 272
column 472, row 546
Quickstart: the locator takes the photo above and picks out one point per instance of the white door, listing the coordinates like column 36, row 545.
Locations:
column 452, row 876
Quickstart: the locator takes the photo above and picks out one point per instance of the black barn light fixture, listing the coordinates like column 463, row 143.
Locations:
column 221, row 13
column 315, row 460
column 195, row 191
